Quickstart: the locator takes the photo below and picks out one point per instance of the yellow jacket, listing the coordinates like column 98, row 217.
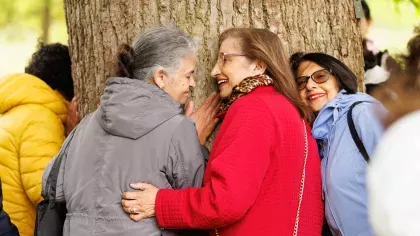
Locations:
column 32, row 118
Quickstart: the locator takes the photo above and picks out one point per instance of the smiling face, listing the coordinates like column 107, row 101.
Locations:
column 179, row 84
column 317, row 95
column 232, row 68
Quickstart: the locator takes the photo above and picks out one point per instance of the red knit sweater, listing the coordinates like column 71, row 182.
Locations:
column 251, row 185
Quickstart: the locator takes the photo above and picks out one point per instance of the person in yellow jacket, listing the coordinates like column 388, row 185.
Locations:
column 33, row 117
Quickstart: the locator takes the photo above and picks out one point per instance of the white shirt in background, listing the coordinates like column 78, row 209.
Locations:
column 394, row 180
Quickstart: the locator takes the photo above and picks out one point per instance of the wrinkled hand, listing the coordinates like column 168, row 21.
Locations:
column 72, row 116
column 205, row 116
column 140, row 205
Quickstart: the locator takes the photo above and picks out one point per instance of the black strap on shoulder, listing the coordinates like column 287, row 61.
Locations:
column 52, row 177
column 354, row 134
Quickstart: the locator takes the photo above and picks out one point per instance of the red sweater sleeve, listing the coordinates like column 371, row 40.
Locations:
column 239, row 162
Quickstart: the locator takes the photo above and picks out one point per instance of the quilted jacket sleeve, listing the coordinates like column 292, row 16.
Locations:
column 41, row 139
column 186, row 160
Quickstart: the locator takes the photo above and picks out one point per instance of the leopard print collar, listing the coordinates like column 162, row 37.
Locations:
column 243, row 88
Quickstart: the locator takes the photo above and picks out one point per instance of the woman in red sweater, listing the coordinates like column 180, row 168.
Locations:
column 263, row 176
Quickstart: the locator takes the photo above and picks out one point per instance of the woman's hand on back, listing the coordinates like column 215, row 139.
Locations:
column 205, row 116
column 140, row 205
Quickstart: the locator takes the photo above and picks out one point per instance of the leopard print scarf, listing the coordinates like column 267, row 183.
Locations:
column 243, row 88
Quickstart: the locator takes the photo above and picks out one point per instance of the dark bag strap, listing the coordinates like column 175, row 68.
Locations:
column 52, row 177
column 354, row 134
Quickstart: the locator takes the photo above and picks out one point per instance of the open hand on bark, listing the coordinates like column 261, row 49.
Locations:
column 72, row 116
column 205, row 116
column 140, row 205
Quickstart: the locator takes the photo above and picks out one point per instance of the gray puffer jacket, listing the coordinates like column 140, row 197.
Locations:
column 138, row 134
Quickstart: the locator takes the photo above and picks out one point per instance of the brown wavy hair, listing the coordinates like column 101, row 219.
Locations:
column 401, row 93
column 263, row 45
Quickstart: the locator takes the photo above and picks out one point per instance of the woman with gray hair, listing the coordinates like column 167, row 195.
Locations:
column 138, row 133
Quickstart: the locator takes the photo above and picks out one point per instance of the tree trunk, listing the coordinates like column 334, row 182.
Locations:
column 46, row 21
column 96, row 28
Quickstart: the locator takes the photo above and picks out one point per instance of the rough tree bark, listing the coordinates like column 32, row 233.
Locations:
column 97, row 27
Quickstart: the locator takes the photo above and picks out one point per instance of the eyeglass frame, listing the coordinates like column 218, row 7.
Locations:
column 221, row 60
column 311, row 77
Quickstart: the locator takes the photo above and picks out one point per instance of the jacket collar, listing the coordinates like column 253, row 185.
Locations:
column 334, row 110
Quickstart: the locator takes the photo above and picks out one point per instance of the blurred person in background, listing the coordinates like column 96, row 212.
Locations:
column 35, row 116
column 377, row 63
column 393, row 180
column 329, row 88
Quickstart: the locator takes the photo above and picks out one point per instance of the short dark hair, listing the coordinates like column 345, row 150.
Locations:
column 347, row 80
column 51, row 63
column 366, row 10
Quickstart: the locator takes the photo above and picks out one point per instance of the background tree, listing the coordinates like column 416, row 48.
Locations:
column 18, row 16
column 46, row 21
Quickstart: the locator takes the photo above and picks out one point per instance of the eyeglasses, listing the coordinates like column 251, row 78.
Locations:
column 222, row 56
column 319, row 77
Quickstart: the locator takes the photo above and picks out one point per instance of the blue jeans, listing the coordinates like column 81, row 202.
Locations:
column 6, row 227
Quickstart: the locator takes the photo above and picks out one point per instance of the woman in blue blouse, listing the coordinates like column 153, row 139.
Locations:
column 329, row 88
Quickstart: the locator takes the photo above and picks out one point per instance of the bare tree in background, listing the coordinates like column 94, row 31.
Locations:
column 46, row 21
